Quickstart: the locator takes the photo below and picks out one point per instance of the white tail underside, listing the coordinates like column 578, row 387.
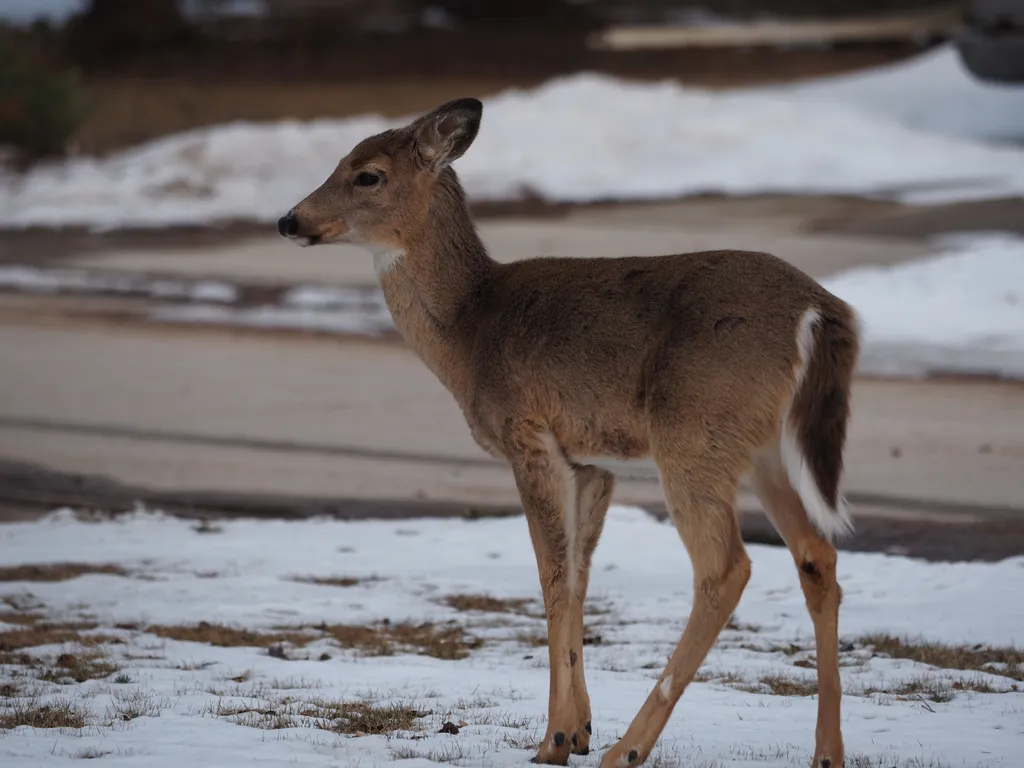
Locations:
column 831, row 523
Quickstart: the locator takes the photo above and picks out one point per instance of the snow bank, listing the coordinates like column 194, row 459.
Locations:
column 243, row 575
column 932, row 92
column 35, row 280
column 961, row 311
column 581, row 138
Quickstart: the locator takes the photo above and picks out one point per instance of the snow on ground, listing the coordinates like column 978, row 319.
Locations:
column 306, row 307
column 913, row 131
column 30, row 279
column 959, row 311
column 186, row 702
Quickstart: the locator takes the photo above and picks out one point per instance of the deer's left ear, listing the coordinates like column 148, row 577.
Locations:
column 445, row 134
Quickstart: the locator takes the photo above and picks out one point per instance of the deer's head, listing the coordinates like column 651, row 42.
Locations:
column 383, row 187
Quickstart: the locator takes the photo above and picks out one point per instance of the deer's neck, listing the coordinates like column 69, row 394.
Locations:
column 431, row 287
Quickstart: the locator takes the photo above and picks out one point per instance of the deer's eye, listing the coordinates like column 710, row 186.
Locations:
column 365, row 179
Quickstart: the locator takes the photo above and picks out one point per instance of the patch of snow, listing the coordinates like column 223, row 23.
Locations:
column 581, row 138
column 347, row 320
column 40, row 280
column 932, row 92
column 243, row 576
column 959, row 311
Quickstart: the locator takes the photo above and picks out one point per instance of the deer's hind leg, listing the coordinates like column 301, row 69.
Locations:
column 700, row 490
column 815, row 558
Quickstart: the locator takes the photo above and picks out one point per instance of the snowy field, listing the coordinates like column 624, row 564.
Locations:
column 917, row 131
column 152, row 691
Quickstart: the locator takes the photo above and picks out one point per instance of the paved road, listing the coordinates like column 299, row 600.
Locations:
column 276, row 423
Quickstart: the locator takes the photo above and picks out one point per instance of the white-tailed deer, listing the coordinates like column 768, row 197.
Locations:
column 716, row 364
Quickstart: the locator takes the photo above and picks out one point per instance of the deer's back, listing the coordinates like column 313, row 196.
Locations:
column 586, row 341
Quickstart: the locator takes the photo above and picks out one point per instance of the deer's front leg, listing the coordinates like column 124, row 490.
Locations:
column 594, row 488
column 547, row 486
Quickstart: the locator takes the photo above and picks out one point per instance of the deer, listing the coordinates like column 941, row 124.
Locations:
column 722, row 366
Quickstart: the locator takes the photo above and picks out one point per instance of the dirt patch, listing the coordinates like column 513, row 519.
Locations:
column 1004, row 661
column 489, row 604
column 57, row 571
column 60, row 713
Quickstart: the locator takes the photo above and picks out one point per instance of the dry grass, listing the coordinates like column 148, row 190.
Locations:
column 932, row 688
column 227, row 637
column 442, row 641
column 362, row 718
column 37, row 634
column 77, row 668
column 332, row 581
column 1005, row 661
column 779, row 685
column 57, row 571
column 271, row 717
column 59, row 713
column 21, row 618
column 451, row 752
column 353, row 718
column 489, row 604
column 129, row 705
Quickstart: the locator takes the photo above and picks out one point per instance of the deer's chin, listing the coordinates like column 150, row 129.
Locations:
column 308, row 240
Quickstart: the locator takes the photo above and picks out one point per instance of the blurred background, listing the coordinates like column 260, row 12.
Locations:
column 159, row 344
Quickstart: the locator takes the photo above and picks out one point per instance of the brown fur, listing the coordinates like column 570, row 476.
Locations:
column 688, row 358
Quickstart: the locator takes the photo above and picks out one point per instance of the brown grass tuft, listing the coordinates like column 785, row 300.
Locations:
column 226, row 637
column 363, row 718
column 57, row 571
column 52, row 633
column 336, row 581
column 1005, row 661
column 9, row 690
column 271, row 717
column 778, row 685
column 60, row 713
column 488, row 604
column 78, row 667
column 442, row 641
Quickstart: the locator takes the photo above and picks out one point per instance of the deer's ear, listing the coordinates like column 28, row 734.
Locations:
column 446, row 133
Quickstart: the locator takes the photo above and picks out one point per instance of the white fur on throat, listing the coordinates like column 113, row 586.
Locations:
column 384, row 259
column 832, row 523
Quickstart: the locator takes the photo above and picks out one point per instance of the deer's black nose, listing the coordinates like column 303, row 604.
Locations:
column 288, row 225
